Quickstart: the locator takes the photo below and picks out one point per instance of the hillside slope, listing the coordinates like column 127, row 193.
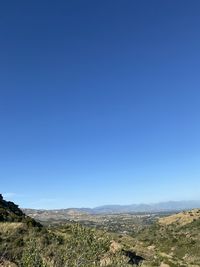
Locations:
column 10, row 212
column 24, row 245
column 182, row 218
column 174, row 240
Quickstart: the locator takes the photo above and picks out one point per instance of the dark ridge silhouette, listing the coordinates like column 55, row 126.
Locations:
column 10, row 212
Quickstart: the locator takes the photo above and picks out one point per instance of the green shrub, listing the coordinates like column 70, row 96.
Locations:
column 31, row 256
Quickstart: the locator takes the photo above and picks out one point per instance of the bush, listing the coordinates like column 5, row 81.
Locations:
column 31, row 256
column 85, row 247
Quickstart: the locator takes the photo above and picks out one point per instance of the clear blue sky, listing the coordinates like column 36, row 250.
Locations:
column 99, row 102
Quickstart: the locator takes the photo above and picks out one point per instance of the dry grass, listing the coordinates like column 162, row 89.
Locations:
column 7, row 264
column 182, row 218
column 7, row 227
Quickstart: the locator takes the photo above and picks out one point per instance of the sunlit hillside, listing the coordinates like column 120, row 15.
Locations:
column 125, row 240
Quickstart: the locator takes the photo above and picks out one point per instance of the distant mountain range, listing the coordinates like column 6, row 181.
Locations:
column 111, row 209
column 155, row 207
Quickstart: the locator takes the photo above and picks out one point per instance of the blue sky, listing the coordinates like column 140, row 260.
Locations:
column 99, row 102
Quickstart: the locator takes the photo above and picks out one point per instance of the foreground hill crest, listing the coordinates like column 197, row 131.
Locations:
column 10, row 212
